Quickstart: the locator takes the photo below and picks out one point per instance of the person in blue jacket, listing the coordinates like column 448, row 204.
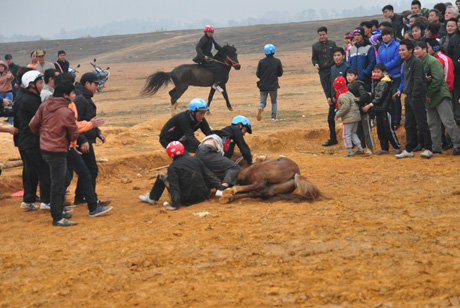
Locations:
column 362, row 57
column 388, row 54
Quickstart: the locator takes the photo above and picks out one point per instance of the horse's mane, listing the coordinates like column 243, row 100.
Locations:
column 226, row 48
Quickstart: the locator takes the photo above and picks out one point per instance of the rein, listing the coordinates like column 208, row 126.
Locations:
column 226, row 61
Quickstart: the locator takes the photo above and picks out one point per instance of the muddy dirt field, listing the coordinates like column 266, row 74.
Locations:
column 388, row 237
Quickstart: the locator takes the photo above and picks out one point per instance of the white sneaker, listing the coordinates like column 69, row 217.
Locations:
column 219, row 193
column 146, row 198
column 217, row 87
column 45, row 206
column 405, row 154
column 28, row 206
column 426, row 154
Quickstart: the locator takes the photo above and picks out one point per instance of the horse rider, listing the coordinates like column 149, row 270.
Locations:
column 188, row 180
column 183, row 125
column 217, row 149
column 204, row 56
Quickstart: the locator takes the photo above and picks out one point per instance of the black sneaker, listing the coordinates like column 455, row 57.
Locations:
column 330, row 142
column 100, row 210
column 64, row 223
column 456, row 152
column 447, row 146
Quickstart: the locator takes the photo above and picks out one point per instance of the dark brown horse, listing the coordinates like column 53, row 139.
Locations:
column 186, row 75
column 277, row 176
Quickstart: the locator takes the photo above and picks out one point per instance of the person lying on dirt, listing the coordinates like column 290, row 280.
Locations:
column 182, row 126
column 188, row 180
column 204, row 56
column 217, row 149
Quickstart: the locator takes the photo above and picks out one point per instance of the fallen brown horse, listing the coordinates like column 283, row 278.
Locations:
column 269, row 178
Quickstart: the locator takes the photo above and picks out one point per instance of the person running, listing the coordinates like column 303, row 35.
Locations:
column 268, row 71
column 204, row 49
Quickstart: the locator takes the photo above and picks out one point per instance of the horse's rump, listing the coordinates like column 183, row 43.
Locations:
column 271, row 171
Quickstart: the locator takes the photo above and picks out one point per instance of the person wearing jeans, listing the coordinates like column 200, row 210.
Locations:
column 268, row 71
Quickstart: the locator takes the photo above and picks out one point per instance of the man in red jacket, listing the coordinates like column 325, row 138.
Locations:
column 55, row 123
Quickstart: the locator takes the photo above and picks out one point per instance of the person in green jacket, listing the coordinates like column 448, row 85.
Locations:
column 438, row 100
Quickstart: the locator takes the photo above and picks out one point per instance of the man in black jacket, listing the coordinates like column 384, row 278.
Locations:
column 86, row 109
column 29, row 144
column 396, row 20
column 323, row 59
column 268, row 71
column 188, row 180
column 183, row 125
column 204, row 56
column 414, row 88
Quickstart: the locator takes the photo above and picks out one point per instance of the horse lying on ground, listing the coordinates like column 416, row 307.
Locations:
column 272, row 177
column 186, row 75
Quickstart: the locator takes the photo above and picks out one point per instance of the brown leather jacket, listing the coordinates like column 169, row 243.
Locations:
column 55, row 122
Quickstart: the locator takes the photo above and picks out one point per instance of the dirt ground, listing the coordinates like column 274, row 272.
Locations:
column 388, row 237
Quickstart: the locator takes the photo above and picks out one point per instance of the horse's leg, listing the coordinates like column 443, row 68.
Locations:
column 175, row 94
column 244, row 188
column 210, row 96
column 225, row 95
column 273, row 190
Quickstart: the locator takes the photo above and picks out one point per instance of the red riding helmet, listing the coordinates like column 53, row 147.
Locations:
column 208, row 28
column 174, row 149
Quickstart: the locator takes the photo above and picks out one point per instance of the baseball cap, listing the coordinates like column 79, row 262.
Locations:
column 91, row 77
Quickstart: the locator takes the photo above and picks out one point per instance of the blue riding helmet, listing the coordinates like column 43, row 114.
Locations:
column 244, row 121
column 197, row 104
column 269, row 49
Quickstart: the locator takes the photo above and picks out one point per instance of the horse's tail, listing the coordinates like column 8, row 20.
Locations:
column 307, row 188
column 155, row 81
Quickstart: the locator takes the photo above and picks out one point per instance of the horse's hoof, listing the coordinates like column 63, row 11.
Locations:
column 228, row 192
column 230, row 108
column 174, row 106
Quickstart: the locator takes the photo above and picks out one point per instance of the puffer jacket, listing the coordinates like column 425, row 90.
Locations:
column 55, row 122
column 348, row 109
column 382, row 94
column 362, row 58
column 388, row 54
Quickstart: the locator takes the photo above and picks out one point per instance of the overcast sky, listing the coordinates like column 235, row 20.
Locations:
column 48, row 17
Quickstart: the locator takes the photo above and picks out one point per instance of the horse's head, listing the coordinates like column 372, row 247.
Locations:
column 230, row 56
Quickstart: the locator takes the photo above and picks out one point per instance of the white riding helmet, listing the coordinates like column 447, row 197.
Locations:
column 30, row 77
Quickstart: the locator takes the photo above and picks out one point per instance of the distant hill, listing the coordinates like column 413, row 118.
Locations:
column 181, row 44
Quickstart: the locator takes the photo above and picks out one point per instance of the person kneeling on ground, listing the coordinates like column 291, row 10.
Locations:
column 182, row 126
column 188, row 180
column 217, row 149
